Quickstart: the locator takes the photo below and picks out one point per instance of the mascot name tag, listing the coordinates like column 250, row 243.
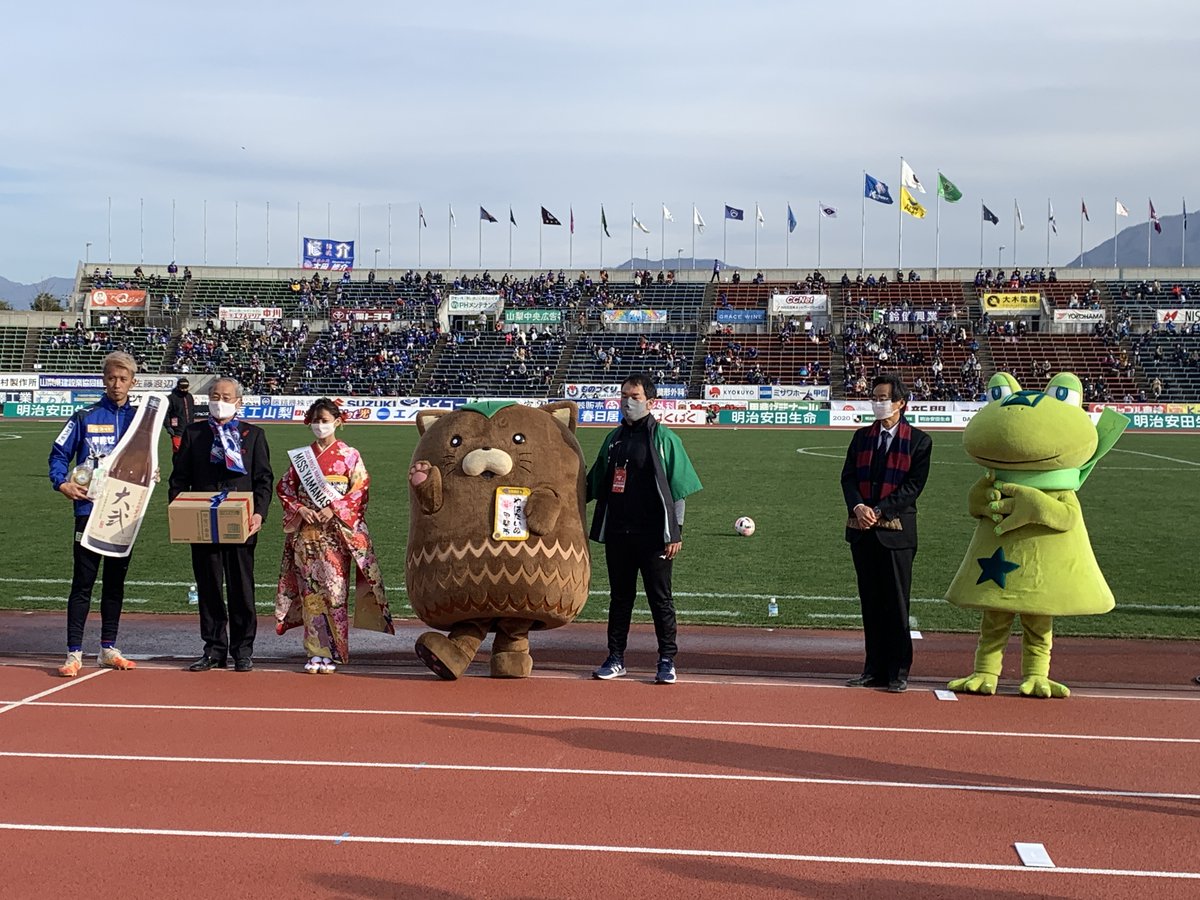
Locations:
column 510, row 522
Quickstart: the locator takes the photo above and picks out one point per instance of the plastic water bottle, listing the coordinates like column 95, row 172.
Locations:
column 193, row 596
column 772, row 608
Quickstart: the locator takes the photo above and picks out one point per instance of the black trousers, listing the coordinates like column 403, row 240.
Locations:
column 626, row 556
column 884, row 583
column 230, row 566
column 83, row 579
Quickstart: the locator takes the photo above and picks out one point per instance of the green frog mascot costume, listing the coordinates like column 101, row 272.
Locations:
column 1030, row 555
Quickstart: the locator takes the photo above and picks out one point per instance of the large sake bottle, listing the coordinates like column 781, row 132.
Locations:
column 129, row 480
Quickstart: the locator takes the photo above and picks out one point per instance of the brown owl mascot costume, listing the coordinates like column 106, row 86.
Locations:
column 496, row 537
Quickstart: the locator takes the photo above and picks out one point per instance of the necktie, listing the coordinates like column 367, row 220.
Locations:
column 879, row 460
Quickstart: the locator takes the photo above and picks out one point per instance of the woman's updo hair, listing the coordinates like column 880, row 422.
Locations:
column 322, row 405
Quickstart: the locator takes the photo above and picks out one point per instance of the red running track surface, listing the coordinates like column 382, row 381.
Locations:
column 378, row 783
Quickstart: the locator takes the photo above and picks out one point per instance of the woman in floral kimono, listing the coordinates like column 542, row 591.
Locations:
column 324, row 497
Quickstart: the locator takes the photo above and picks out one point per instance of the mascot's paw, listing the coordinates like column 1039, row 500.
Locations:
column 975, row 683
column 443, row 657
column 511, row 664
column 1041, row 687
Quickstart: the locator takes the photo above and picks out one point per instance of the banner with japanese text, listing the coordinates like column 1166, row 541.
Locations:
column 325, row 253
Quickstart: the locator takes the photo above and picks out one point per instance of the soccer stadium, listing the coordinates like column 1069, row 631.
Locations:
column 781, row 487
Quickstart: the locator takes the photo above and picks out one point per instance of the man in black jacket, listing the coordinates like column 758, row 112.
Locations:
column 224, row 453
column 886, row 466
column 181, row 409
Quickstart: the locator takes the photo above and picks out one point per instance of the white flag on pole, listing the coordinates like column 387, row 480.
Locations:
column 909, row 178
column 667, row 214
column 1121, row 210
column 1020, row 218
column 638, row 225
column 1053, row 224
column 698, row 220
column 759, row 216
column 829, row 212
column 452, row 222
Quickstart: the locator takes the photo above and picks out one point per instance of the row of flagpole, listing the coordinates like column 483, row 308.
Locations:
column 873, row 189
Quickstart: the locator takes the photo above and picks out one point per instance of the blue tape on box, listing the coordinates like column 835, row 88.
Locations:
column 214, row 504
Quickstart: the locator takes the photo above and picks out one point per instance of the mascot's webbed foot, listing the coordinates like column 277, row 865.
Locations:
column 1042, row 687
column 975, row 683
column 511, row 664
column 444, row 658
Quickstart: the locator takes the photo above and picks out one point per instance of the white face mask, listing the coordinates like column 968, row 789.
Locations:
column 221, row 409
column 323, row 429
column 881, row 408
column 635, row 410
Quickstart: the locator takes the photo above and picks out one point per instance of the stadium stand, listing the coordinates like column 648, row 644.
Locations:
column 519, row 362
column 768, row 359
column 1171, row 363
column 942, row 361
column 81, row 349
column 368, row 360
column 13, row 346
column 1103, row 366
column 605, row 357
column 261, row 357
column 927, row 330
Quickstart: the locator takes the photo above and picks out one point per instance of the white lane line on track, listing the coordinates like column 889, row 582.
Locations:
column 608, row 773
column 31, row 700
column 629, row 720
column 343, row 838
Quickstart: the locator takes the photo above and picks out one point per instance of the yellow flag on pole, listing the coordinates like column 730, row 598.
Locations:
column 909, row 204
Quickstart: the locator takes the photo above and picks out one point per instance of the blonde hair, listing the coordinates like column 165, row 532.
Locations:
column 120, row 360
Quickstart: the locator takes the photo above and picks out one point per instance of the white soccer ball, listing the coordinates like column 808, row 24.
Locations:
column 744, row 526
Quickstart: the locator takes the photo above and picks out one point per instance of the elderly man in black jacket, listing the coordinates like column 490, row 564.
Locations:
column 886, row 466
column 224, row 453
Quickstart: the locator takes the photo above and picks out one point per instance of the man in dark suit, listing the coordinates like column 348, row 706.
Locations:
column 885, row 471
column 224, row 453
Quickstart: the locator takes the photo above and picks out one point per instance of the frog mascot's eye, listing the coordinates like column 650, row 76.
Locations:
column 1066, row 388
column 1002, row 385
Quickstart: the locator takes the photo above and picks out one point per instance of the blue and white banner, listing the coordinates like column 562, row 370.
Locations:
column 672, row 391
column 741, row 316
column 325, row 253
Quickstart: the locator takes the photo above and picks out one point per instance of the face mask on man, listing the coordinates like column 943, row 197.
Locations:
column 634, row 410
column 881, row 408
column 323, row 429
column 222, row 409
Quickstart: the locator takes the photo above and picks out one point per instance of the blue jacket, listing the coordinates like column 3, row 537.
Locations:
column 93, row 430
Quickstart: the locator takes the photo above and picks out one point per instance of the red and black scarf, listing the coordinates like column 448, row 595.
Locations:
column 899, row 459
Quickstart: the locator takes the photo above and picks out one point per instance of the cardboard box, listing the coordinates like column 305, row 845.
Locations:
column 191, row 518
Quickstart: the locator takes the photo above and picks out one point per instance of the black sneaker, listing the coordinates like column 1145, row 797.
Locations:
column 614, row 667
column 666, row 671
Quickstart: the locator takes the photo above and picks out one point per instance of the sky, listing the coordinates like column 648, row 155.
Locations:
column 217, row 110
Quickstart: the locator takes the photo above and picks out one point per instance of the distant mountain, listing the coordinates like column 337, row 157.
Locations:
column 21, row 295
column 1165, row 248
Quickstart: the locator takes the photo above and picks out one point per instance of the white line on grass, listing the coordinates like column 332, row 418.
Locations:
column 606, row 773
column 706, row 595
column 1186, row 462
column 30, row 700
column 809, row 451
column 625, row 720
column 344, row 838
column 57, row 599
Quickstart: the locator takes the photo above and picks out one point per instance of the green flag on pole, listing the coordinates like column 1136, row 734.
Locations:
column 946, row 189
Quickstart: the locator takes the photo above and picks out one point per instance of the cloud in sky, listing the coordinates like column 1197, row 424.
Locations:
column 548, row 104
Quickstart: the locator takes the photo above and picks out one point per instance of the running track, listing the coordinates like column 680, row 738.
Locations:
column 384, row 782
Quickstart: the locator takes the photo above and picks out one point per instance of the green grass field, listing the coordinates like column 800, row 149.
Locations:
column 1137, row 506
